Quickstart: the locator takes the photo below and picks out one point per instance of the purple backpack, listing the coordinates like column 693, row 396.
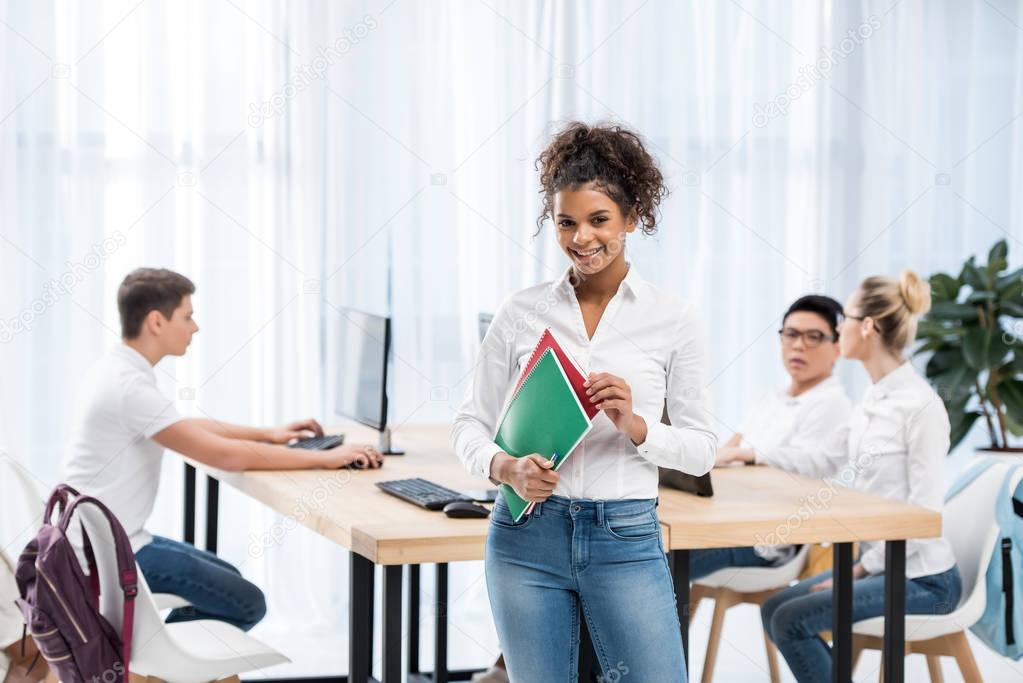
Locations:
column 60, row 604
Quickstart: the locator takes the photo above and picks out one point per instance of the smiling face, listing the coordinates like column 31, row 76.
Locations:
column 591, row 228
column 808, row 350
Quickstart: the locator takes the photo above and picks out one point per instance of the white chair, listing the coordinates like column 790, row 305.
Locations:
column 743, row 585
column 183, row 652
column 35, row 504
column 969, row 525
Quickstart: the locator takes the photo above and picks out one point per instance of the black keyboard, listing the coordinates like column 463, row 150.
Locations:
column 422, row 492
column 319, row 443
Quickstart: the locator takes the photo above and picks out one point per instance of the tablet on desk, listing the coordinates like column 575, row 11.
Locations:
column 673, row 479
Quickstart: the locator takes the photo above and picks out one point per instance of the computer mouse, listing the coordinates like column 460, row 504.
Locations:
column 464, row 509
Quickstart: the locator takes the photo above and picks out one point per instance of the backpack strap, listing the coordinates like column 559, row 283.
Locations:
column 126, row 570
column 58, row 499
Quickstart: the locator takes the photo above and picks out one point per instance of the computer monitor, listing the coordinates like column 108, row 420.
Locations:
column 484, row 321
column 363, row 356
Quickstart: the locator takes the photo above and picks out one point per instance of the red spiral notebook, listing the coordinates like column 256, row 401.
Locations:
column 572, row 371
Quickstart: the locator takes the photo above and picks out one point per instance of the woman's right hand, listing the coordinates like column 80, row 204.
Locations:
column 361, row 456
column 531, row 476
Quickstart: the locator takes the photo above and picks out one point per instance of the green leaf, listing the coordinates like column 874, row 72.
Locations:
column 950, row 310
column 954, row 383
column 943, row 361
column 979, row 297
column 984, row 348
column 971, row 275
column 961, row 427
column 1010, row 391
column 998, row 258
column 944, row 287
column 1010, row 286
column 1012, row 308
column 938, row 344
column 938, row 329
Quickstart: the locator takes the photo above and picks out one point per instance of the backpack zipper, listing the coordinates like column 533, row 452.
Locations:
column 53, row 589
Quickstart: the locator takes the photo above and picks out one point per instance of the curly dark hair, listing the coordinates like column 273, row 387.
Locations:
column 611, row 157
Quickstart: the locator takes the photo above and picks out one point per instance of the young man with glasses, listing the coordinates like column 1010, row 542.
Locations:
column 787, row 422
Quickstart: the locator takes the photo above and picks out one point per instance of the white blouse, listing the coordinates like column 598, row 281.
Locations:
column 894, row 446
column 647, row 338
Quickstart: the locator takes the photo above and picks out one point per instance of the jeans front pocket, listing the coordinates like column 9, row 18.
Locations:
column 633, row 527
column 501, row 516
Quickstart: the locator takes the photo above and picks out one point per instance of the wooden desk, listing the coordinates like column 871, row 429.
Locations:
column 766, row 506
column 750, row 504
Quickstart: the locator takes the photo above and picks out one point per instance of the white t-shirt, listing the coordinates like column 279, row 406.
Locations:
column 111, row 454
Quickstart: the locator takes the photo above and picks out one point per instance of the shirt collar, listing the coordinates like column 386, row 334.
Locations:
column 633, row 282
column 899, row 377
column 830, row 382
column 133, row 357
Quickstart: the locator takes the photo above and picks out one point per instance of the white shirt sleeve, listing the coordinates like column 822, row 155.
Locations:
column 927, row 444
column 819, row 446
column 146, row 411
column 689, row 443
column 475, row 422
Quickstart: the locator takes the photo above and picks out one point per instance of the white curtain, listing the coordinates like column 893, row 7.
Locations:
column 293, row 158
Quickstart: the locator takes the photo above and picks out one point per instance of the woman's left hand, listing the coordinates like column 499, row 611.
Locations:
column 613, row 395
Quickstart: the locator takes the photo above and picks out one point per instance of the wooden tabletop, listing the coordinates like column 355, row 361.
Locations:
column 764, row 505
column 751, row 505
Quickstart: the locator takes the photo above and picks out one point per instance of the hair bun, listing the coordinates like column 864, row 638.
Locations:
column 915, row 292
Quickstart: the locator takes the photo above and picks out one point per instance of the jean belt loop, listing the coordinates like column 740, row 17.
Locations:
column 600, row 513
column 537, row 508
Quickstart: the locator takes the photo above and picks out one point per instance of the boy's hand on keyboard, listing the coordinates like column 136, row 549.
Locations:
column 300, row 429
column 361, row 456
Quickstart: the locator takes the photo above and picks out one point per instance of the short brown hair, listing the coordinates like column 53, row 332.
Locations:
column 149, row 289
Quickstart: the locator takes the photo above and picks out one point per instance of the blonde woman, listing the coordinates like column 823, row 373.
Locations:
column 895, row 446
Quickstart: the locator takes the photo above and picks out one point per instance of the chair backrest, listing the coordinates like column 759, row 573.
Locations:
column 969, row 524
column 20, row 486
column 147, row 617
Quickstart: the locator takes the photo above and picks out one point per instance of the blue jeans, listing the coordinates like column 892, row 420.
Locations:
column 604, row 558
column 794, row 617
column 215, row 588
column 707, row 561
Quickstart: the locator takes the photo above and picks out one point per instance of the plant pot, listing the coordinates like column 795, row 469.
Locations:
column 1011, row 453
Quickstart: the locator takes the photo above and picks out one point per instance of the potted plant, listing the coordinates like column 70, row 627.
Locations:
column 974, row 333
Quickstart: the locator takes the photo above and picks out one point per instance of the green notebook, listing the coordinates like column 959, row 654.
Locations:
column 544, row 417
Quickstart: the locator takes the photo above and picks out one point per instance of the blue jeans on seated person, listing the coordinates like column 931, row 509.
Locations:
column 795, row 617
column 707, row 561
column 603, row 558
column 215, row 589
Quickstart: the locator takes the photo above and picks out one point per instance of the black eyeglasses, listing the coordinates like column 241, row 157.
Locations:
column 811, row 338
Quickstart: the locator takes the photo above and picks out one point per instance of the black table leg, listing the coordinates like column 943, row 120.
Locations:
column 413, row 619
column 212, row 513
column 894, row 611
column 440, row 637
column 360, row 619
column 679, row 563
column 841, row 613
column 188, row 533
column 392, row 624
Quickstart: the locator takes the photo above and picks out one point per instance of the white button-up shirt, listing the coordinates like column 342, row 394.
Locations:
column 782, row 427
column 647, row 338
column 894, row 446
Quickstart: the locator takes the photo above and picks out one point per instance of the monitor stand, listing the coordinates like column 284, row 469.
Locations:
column 384, row 443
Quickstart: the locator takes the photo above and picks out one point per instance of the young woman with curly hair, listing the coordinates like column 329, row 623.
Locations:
column 591, row 549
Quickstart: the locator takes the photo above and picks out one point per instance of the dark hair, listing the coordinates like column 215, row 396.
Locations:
column 149, row 289
column 611, row 157
column 824, row 306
